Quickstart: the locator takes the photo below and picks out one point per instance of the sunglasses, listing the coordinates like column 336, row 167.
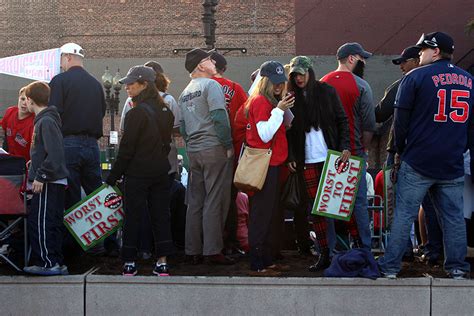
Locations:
column 425, row 42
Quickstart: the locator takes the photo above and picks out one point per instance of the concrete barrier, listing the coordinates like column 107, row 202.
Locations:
column 255, row 296
column 452, row 297
column 61, row 295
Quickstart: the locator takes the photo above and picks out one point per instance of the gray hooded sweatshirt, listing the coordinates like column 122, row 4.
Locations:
column 47, row 151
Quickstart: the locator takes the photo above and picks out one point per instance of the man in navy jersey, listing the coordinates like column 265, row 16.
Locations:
column 433, row 127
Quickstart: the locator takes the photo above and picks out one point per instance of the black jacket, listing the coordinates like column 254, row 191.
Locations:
column 47, row 151
column 80, row 100
column 145, row 143
column 336, row 135
column 384, row 111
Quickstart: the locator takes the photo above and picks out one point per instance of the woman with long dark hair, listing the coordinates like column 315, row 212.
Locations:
column 320, row 123
column 265, row 129
column 143, row 159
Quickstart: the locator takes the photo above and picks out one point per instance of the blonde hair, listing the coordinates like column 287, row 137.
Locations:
column 264, row 88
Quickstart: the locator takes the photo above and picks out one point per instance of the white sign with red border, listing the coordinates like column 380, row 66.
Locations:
column 338, row 186
column 389, row 195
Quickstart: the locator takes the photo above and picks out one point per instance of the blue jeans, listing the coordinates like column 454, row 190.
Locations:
column 447, row 198
column 83, row 163
column 361, row 210
column 434, row 247
column 361, row 214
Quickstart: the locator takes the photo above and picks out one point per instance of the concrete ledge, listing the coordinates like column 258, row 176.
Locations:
column 452, row 297
column 256, row 296
column 61, row 295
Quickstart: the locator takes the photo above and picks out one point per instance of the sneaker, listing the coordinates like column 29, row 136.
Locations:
column 129, row 269
column 64, row 270
column 388, row 275
column 161, row 269
column 220, row 259
column 37, row 270
column 264, row 273
column 457, row 274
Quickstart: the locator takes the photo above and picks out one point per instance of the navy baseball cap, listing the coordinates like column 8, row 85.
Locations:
column 437, row 40
column 274, row 71
column 139, row 73
column 220, row 60
column 352, row 49
column 408, row 53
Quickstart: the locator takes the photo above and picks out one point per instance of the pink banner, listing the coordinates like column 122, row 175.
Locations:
column 42, row 65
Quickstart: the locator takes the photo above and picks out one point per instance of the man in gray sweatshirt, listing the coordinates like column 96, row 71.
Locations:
column 206, row 129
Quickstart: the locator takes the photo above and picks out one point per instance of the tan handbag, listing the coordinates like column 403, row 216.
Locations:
column 252, row 168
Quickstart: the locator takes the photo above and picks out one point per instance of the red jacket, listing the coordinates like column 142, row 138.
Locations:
column 260, row 110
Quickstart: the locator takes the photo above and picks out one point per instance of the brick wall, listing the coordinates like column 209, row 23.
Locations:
column 142, row 28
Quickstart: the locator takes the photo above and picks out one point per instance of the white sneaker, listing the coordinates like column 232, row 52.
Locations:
column 457, row 274
column 56, row 270
column 389, row 275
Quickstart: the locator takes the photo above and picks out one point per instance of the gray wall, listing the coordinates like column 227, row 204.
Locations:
column 380, row 72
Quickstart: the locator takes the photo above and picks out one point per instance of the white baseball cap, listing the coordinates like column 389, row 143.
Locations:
column 72, row 48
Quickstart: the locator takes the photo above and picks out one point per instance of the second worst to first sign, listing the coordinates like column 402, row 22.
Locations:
column 338, row 187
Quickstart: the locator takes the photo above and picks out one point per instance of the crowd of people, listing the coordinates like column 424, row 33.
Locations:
column 429, row 148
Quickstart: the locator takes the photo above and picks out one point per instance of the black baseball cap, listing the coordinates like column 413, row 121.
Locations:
column 408, row 53
column 194, row 57
column 139, row 72
column 155, row 65
column 274, row 71
column 352, row 49
column 220, row 60
column 437, row 40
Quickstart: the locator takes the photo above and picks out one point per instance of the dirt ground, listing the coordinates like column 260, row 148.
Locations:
column 299, row 266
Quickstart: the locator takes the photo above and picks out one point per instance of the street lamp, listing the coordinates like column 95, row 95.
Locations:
column 112, row 101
